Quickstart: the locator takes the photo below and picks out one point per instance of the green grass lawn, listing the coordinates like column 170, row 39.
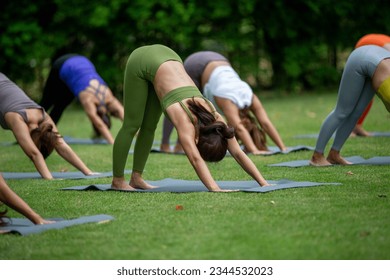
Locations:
column 348, row 221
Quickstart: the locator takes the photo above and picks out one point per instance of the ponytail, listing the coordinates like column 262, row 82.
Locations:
column 45, row 138
column 212, row 135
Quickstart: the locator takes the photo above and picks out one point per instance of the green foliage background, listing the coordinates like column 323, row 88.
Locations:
column 289, row 45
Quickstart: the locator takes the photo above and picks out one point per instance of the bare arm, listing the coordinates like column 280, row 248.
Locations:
column 186, row 137
column 22, row 135
column 232, row 114
column 90, row 110
column 11, row 199
column 66, row 152
column 263, row 119
column 116, row 109
column 244, row 161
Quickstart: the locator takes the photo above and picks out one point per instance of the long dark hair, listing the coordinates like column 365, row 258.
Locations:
column 212, row 135
column 45, row 138
column 257, row 134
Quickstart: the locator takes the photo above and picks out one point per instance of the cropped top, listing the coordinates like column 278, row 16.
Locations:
column 13, row 99
column 178, row 95
column 76, row 72
column 225, row 83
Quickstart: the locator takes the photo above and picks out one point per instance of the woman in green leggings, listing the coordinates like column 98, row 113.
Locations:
column 155, row 82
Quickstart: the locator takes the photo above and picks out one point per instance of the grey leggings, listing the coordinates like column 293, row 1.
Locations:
column 355, row 92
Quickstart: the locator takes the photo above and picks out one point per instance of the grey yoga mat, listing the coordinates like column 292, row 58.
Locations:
column 373, row 134
column 356, row 160
column 181, row 186
column 90, row 141
column 85, row 141
column 72, row 140
column 273, row 150
column 56, row 175
column 24, row 226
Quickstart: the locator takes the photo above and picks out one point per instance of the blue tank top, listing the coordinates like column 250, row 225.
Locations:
column 77, row 72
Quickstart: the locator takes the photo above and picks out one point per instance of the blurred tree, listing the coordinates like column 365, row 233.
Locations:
column 283, row 44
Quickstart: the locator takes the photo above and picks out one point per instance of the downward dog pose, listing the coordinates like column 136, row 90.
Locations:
column 33, row 129
column 366, row 72
column 11, row 199
column 219, row 83
column 156, row 81
column 380, row 40
column 74, row 77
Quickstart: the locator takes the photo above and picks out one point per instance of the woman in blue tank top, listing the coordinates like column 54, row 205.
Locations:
column 155, row 82
column 74, row 77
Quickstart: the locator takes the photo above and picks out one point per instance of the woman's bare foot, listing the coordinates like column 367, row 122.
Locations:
column 335, row 158
column 318, row 159
column 137, row 182
column 360, row 131
column 178, row 149
column 119, row 183
column 165, row 148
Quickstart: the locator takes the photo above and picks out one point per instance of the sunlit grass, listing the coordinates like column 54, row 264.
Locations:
column 348, row 221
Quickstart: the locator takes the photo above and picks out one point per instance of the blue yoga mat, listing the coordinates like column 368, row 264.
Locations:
column 24, row 226
column 181, row 186
column 373, row 134
column 85, row 141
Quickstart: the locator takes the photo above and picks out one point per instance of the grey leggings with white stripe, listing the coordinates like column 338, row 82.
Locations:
column 355, row 92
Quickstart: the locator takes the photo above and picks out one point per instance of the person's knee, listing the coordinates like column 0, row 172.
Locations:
column 342, row 115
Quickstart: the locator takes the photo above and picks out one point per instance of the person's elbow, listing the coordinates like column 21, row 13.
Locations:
column 34, row 155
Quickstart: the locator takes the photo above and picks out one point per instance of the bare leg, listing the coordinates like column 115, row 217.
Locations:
column 318, row 159
column 335, row 158
column 137, row 182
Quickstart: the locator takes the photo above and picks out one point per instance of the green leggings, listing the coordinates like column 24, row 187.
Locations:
column 141, row 105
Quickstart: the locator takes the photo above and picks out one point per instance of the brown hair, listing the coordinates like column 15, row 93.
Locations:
column 45, row 138
column 257, row 134
column 212, row 135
